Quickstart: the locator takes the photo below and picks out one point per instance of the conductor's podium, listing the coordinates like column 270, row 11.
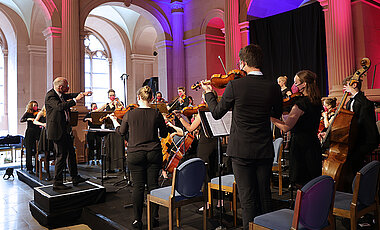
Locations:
column 56, row 208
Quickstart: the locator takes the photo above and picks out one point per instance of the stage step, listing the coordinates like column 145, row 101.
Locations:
column 49, row 206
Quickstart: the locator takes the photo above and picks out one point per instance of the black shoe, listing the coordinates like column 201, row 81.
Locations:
column 155, row 223
column 137, row 224
column 78, row 179
column 31, row 172
column 60, row 186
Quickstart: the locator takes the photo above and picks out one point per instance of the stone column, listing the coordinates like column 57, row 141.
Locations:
column 164, row 50
column 71, row 44
column 178, row 47
column 339, row 43
column 53, row 37
column 37, row 59
column 232, row 29
column 4, row 121
column 244, row 33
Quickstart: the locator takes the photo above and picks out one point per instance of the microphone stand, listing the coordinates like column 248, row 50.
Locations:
column 124, row 78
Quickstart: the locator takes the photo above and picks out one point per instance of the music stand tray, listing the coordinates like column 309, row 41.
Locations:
column 160, row 106
column 97, row 115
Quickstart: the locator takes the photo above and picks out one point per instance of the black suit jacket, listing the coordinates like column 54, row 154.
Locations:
column 56, row 124
column 253, row 100
column 364, row 110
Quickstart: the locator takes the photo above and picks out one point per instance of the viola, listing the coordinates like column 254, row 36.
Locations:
column 220, row 81
column 189, row 111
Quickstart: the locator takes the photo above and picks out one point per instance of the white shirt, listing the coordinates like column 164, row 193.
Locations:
column 255, row 72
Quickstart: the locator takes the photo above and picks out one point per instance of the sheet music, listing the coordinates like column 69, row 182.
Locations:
column 220, row 127
column 227, row 120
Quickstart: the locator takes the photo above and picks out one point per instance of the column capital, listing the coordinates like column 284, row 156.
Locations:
column 38, row 50
column 324, row 4
column 164, row 44
column 177, row 6
column 244, row 26
column 5, row 52
column 52, row 32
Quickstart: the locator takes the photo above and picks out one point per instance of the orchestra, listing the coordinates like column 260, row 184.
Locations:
column 297, row 112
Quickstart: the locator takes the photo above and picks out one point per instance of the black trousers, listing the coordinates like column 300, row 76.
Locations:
column 31, row 137
column 64, row 149
column 145, row 168
column 94, row 143
column 253, row 181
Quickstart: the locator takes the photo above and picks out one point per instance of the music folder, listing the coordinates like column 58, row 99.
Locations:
column 97, row 115
column 160, row 106
column 216, row 128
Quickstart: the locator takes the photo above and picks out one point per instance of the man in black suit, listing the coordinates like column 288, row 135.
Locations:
column 58, row 103
column 253, row 100
column 367, row 134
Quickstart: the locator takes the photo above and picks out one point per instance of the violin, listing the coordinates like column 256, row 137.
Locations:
column 289, row 101
column 189, row 111
column 220, row 81
column 119, row 112
column 322, row 121
column 36, row 112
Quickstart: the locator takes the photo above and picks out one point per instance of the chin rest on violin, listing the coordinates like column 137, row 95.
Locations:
column 220, row 81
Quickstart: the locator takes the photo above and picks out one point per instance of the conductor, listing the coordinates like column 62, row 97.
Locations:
column 58, row 103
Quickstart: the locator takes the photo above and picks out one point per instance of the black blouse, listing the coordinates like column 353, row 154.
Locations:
column 141, row 125
column 308, row 123
column 30, row 126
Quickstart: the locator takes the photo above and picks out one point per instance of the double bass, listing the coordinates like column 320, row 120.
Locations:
column 341, row 133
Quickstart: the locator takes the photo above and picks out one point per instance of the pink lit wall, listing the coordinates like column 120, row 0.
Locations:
column 366, row 22
column 215, row 46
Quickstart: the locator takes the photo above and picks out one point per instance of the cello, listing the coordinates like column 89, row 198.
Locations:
column 341, row 134
column 180, row 152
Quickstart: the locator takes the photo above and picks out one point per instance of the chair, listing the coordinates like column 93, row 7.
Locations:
column 45, row 158
column 228, row 185
column 277, row 167
column 364, row 198
column 186, row 188
column 313, row 209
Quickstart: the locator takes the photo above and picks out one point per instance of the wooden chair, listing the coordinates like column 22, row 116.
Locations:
column 228, row 185
column 365, row 197
column 186, row 188
column 277, row 167
column 313, row 209
column 43, row 158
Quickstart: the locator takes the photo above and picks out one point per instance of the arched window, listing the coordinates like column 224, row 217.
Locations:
column 97, row 76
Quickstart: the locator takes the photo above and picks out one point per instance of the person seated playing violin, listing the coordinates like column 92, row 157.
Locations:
column 114, row 103
column 159, row 98
column 180, row 102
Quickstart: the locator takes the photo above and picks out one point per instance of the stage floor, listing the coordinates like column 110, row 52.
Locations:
column 117, row 212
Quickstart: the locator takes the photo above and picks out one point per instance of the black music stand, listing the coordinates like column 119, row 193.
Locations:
column 217, row 128
column 160, row 106
column 102, row 133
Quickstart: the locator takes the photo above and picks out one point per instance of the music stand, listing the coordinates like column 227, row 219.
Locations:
column 160, row 106
column 217, row 128
column 73, row 118
column 102, row 133
column 95, row 116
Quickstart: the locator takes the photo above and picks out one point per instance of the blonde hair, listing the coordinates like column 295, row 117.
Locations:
column 29, row 106
column 145, row 93
column 43, row 111
column 282, row 78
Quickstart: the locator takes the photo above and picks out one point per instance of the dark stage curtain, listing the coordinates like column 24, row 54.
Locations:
column 291, row 42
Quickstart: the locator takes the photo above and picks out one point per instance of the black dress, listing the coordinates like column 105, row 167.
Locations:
column 284, row 91
column 32, row 134
column 114, row 147
column 44, row 144
column 305, row 149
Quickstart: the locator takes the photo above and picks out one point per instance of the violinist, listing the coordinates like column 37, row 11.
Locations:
column 329, row 106
column 253, row 99
column 159, row 98
column 207, row 148
column 144, row 150
column 180, row 102
column 44, row 144
column 114, row 143
column 32, row 133
column 303, row 121
column 282, row 81
column 367, row 134
column 93, row 140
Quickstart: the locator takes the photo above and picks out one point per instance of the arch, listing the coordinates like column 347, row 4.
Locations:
column 154, row 13
column 50, row 12
column 215, row 13
column 145, row 36
column 17, row 38
column 37, row 25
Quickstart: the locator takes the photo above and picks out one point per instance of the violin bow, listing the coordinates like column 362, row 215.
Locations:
column 220, row 59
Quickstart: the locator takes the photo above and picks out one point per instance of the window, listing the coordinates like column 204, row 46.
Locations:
column 97, row 77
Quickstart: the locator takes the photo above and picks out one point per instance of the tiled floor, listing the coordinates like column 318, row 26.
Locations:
column 14, row 206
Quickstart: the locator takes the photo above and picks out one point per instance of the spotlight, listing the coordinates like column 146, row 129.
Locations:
column 155, row 53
